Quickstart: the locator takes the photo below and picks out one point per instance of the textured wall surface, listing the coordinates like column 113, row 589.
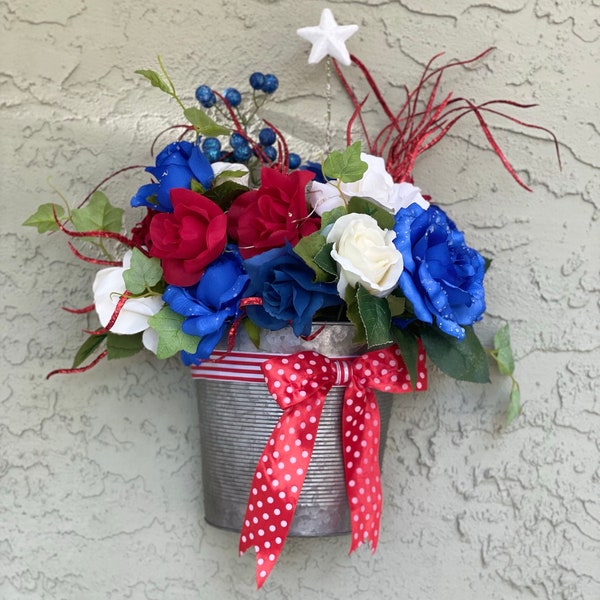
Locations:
column 100, row 493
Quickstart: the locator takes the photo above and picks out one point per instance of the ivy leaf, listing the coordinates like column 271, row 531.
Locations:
column 43, row 218
column 384, row 219
column 143, row 274
column 464, row 359
column 156, row 80
column 253, row 331
column 224, row 194
column 203, row 123
column 121, row 346
column 97, row 215
column 325, row 261
column 503, row 352
column 87, row 349
column 409, row 348
column 376, row 318
column 345, row 166
column 171, row 339
column 307, row 248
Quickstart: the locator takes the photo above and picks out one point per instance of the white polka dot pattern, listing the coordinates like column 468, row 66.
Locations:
column 299, row 383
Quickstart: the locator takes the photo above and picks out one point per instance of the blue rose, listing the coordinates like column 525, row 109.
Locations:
column 289, row 294
column 442, row 277
column 316, row 168
column 176, row 166
column 210, row 304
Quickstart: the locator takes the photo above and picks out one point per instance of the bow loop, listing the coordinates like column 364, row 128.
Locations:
column 293, row 379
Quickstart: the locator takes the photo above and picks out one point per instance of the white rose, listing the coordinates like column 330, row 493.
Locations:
column 376, row 184
column 223, row 167
column 150, row 340
column 365, row 254
column 404, row 194
column 108, row 288
column 324, row 197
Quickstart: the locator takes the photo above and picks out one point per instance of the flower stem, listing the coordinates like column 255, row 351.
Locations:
column 328, row 127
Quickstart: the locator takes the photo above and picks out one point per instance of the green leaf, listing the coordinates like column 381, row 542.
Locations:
column 503, row 355
column 325, row 261
column 224, row 194
column 331, row 216
column 87, row 349
column 143, row 273
column 197, row 187
column 345, row 166
column 203, row 123
column 464, row 359
column 43, row 218
column 376, row 318
column 353, row 315
column 156, row 80
column 98, row 215
column 409, row 348
column 228, row 175
column 397, row 305
column 121, row 346
column 487, row 263
column 384, row 219
column 307, row 248
column 171, row 339
column 514, row 406
column 503, row 352
column 253, row 331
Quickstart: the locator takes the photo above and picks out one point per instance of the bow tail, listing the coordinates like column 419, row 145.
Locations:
column 277, row 484
column 360, row 435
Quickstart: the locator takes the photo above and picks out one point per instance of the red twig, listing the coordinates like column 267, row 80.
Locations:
column 79, row 311
column 411, row 131
column 355, row 103
column 374, row 87
column 312, row 336
column 119, row 306
column 96, row 261
column 283, row 153
column 108, row 179
column 357, row 113
column 100, row 234
column 251, row 301
column 79, row 369
column 186, row 128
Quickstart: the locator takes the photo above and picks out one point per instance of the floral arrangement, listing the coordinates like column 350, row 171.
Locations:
column 236, row 230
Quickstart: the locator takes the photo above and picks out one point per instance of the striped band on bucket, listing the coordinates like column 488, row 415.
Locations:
column 235, row 366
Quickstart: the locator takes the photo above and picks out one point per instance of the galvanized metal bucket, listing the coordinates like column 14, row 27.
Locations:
column 236, row 420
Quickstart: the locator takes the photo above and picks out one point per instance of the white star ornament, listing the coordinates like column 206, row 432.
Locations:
column 328, row 39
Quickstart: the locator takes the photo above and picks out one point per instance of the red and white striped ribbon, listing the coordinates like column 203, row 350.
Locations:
column 237, row 366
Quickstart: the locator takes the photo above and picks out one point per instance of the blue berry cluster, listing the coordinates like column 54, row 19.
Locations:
column 205, row 96
column 241, row 148
column 264, row 83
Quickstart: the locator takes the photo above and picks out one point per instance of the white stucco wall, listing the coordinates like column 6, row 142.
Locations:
column 100, row 492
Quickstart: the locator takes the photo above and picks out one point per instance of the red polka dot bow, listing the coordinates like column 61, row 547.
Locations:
column 299, row 383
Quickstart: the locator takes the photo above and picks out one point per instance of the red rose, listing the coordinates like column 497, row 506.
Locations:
column 266, row 218
column 188, row 239
column 140, row 234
